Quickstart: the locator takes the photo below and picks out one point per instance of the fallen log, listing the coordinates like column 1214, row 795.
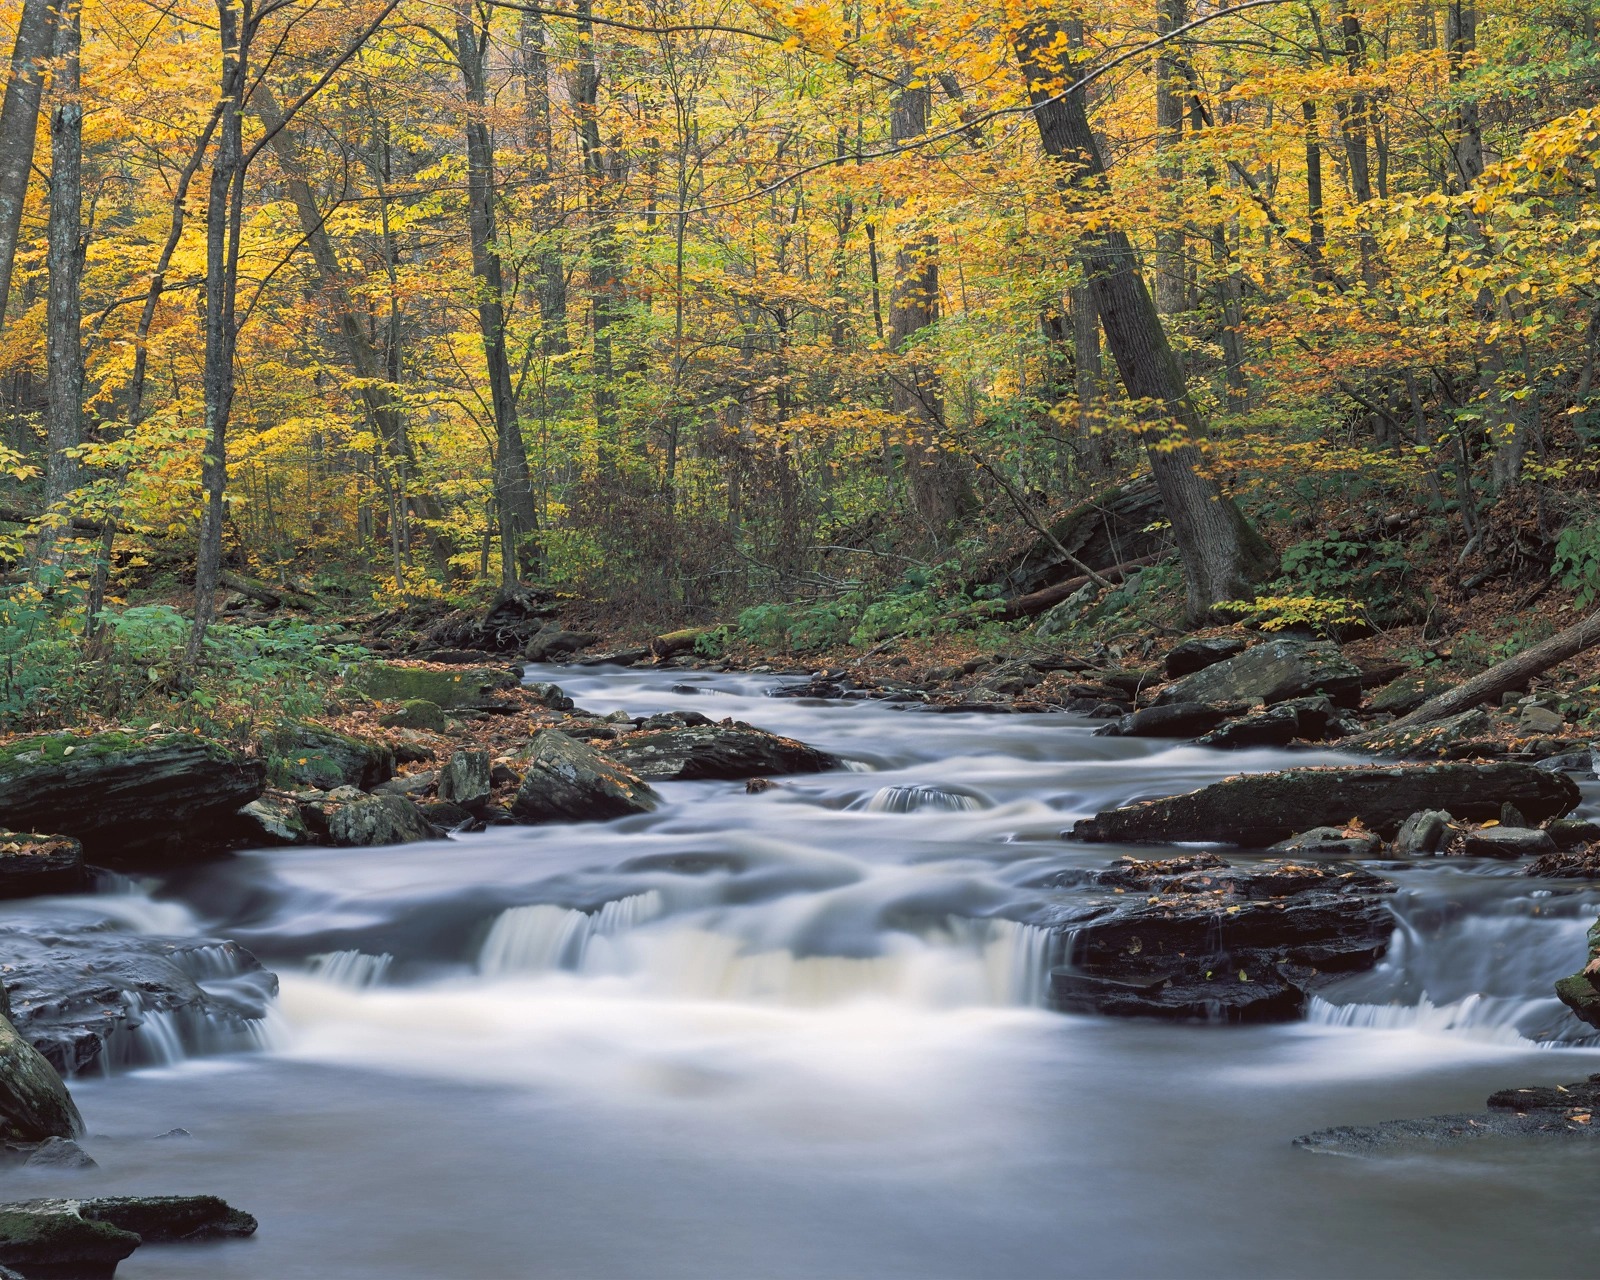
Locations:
column 265, row 592
column 1513, row 673
column 673, row 643
column 85, row 524
column 1036, row 602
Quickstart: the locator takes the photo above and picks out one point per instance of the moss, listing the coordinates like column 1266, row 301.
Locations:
column 461, row 687
column 418, row 713
column 54, row 748
column 55, row 1235
column 311, row 755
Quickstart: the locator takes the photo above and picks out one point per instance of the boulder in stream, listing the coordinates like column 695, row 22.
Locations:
column 1258, row 810
column 273, row 818
column 349, row 818
column 1297, row 719
column 465, row 779
column 86, row 1239
column 1174, row 720
column 1194, row 937
column 34, row 1104
column 569, row 781
column 1273, row 672
column 730, row 750
column 1201, row 652
column 125, row 798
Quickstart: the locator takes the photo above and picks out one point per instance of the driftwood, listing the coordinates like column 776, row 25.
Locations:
column 1036, row 602
column 1513, row 673
column 676, row 642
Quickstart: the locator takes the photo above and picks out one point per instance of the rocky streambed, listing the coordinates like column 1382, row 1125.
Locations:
column 665, row 922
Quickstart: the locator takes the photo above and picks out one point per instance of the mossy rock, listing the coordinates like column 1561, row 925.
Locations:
column 312, row 756
column 34, row 1104
column 417, row 713
column 1403, row 696
column 461, row 687
column 49, row 1238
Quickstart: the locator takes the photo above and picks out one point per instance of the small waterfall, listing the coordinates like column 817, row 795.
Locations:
column 541, row 937
column 351, row 968
column 165, row 1037
column 912, row 799
column 1019, row 958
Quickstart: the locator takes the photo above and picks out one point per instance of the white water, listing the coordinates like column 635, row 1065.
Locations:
column 801, row 1034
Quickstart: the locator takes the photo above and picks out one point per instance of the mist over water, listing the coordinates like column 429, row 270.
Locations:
column 801, row 1034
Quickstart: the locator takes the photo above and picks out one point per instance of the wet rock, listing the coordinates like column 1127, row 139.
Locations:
column 1198, row 654
column 1573, row 833
column 414, row 785
column 48, row 1238
column 1175, row 720
column 349, row 818
column 1507, row 842
column 32, row 864
column 1578, row 991
column 459, row 688
column 1194, row 937
column 549, row 695
column 1257, row 810
column 617, row 657
column 1298, row 719
column 447, row 815
column 729, row 750
column 170, row 1219
column 1580, row 762
column 1582, row 863
column 1273, row 672
column 126, row 799
column 85, row 994
column 569, row 781
column 309, row 755
column 1402, row 696
column 273, row 819
column 34, row 1105
column 417, row 713
column 1331, row 842
column 1424, row 832
column 1565, row 1112
column 86, row 1239
column 465, row 779
column 59, row 1153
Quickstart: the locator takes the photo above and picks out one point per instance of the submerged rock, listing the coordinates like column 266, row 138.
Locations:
column 85, row 994
column 729, row 750
column 1272, row 672
column 59, row 1153
column 32, row 864
column 1195, row 937
column 1564, row 1112
column 127, row 799
column 569, row 781
column 1332, row 841
column 1257, row 810
column 34, row 1105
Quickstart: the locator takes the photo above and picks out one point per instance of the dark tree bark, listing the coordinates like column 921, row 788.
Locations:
column 19, row 127
column 224, row 219
column 551, row 282
column 605, row 269
column 936, row 480
column 1171, row 274
column 519, row 521
column 63, row 331
column 1223, row 557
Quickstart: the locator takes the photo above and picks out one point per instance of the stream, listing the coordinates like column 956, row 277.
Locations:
column 800, row 1034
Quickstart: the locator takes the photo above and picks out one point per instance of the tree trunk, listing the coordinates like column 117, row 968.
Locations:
column 224, row 218
column 19, row 127
column 605, row 276
column 936, row 481
column 1461, row 40
column 519, row 522
column 551, row 282
column 1171, row 275
column 63, row 335
column 1223, row 557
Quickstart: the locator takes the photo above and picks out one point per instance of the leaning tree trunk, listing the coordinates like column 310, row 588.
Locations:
column 1223, row 556
column 519, row 520
column 19, row 127
column 63, row 338
column 224, row 219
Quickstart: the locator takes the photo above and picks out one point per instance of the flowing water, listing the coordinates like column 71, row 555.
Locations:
column 800, row 1034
